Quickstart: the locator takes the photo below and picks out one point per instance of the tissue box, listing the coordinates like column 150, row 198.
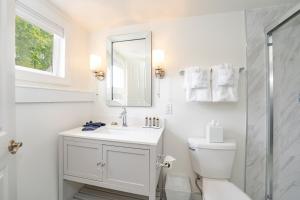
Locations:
column 214, row 134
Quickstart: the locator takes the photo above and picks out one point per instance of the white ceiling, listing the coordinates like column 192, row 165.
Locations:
column 98, row 14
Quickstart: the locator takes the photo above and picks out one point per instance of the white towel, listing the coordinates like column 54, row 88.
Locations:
column 196, row 77
column 197, row 84
column 225, row 82
column 225, row 75
column 201, row 95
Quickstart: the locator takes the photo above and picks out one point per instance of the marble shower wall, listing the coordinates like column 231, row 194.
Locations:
column 256, row 21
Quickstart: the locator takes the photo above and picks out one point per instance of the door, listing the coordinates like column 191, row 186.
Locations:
column 284, row 135
column 126, row 168
column 7, row 127
column 286, row 109
column 83, row 159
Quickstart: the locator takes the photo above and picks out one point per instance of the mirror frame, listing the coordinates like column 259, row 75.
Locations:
column 109, row 52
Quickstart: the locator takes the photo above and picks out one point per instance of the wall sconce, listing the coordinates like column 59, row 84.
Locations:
column 158, row 61
column 95, row 64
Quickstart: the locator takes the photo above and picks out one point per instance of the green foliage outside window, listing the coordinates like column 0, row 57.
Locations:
column 34, row 46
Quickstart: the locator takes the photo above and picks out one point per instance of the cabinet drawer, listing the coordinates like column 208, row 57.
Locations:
column 127, row 168
column 81, row 159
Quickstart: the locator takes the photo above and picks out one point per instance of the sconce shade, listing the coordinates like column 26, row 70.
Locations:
column 158, row 57
column 95, row 63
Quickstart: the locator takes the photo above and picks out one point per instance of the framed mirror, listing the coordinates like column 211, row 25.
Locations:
column 129, row 70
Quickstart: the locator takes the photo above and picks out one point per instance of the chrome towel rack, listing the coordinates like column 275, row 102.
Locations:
column 181, row 72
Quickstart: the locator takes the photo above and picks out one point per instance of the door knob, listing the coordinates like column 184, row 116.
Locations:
column 14, row 146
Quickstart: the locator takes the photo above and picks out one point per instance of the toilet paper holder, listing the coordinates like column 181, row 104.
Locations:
column 165, row 161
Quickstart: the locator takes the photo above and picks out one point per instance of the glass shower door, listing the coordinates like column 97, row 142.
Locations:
column 285, row 108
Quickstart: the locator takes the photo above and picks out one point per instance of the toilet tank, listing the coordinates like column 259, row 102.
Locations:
column 212, row 160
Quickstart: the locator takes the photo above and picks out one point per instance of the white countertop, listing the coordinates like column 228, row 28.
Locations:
column 134, row 135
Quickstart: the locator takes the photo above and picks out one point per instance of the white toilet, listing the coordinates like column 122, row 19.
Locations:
column 213, row 162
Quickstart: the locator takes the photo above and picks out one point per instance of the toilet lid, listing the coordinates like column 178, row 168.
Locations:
column 214, row 189
column 202, row 143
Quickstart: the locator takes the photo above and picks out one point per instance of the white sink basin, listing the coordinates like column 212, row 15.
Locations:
column 120, row 130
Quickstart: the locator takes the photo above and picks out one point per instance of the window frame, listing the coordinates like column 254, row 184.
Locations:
column 26, row 75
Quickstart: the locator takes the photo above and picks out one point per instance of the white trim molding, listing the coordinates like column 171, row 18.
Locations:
column 25, row 94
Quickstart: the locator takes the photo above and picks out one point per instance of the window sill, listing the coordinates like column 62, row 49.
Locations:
column 24, row 75
column 26, row 94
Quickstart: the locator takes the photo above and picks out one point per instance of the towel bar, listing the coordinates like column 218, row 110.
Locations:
column 181, row 72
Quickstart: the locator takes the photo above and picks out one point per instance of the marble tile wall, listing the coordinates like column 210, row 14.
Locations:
column 286, row 49
column 256, row 21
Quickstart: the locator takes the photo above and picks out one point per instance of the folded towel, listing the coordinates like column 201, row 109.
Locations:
column 225, row 81
column 96, row 124
column 196, row 77
column 225, row 75
column 197, row 84
column 201, row 95
column 91, row 126
column 88, row 128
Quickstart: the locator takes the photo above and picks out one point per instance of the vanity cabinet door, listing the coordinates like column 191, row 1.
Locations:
column 83, row 160
column 126, row 168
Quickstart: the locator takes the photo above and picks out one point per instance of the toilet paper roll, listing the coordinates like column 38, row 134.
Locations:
column 168, row 161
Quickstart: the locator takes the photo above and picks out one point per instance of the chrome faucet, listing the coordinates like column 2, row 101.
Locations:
column 123, row 116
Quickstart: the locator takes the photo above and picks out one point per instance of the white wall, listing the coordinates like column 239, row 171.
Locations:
column 38, row 123
column 205, row 40
column 37, row 127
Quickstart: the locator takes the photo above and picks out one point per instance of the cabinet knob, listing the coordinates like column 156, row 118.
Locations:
column 103, row 164
column 99, row 163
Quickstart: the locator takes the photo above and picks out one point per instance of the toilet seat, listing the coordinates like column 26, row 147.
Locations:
column 214, row 189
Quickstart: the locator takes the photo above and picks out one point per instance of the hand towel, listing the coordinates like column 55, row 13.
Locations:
column 225, row 75
column 225, row 82
column 91, row 126
column 196, row 77
column 197, row 84
column 200, row 95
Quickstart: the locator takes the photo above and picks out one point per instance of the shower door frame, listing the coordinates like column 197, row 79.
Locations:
column 295, row 11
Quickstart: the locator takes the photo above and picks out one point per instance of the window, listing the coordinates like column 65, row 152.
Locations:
column 34, row 46
column 39, row 44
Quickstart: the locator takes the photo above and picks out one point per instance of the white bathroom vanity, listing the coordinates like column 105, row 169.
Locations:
column 120, row 158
